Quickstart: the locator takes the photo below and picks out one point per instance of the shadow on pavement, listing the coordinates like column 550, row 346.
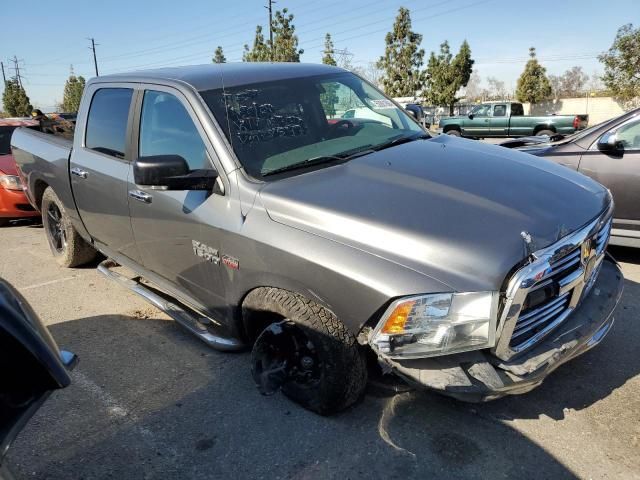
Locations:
column 148, row 400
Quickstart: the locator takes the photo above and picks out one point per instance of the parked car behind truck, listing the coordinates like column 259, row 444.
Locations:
column 13, row 202
column 507, row 119
column 260, row 221
column 610, row 154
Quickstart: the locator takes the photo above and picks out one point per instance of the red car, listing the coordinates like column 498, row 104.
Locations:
column 13, row 202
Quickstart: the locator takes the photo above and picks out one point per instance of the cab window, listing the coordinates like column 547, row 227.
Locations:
column 107, row 121
column 166, row 128
column 517, row 110
column 499, row 110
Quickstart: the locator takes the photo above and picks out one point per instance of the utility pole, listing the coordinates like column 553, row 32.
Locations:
column 16, row 67
column 93, row 48
column 271, row 2
column 3, row 75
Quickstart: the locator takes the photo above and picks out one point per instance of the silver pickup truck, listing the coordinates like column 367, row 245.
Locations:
column 255, row 216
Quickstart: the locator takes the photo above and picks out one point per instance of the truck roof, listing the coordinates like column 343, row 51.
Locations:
column 210, row 76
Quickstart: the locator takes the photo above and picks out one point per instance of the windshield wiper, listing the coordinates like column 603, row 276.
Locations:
column 400, row 139
column 310, row 162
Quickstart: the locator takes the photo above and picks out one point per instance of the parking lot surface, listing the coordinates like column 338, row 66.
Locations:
column 148, row 400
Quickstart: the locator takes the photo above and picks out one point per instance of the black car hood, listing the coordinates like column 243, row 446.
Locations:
column 451, row 208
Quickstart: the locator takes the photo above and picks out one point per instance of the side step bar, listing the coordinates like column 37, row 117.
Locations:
column 195, row 323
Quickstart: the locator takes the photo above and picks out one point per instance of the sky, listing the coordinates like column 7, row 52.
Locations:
column 48, row 37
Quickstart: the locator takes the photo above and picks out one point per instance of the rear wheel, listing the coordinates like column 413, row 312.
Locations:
column 308, row 353
column 548, row 133
column 453, row 133
column 67, row 246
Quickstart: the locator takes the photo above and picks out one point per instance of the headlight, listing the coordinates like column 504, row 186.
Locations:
column 437, row 324
column 10, row 182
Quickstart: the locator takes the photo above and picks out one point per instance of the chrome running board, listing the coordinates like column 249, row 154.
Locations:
column 194, row 322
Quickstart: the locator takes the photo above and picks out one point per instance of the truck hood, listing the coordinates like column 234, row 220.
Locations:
column 8, row 165
column 450, row 208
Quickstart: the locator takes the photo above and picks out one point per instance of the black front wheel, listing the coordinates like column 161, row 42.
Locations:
column 67, row 246
column 310, row 354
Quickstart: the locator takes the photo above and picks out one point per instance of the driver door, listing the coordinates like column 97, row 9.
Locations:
column 166, row 223
column 479, row 125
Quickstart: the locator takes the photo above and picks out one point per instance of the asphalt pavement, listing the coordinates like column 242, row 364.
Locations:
column 150, row 401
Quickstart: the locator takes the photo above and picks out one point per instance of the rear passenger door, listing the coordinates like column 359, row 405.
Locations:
column 100, row 165
column 173, row 227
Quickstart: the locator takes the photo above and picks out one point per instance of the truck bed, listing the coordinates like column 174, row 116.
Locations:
column 43, row 157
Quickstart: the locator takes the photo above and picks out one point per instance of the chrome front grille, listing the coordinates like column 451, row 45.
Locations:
column 542, row 294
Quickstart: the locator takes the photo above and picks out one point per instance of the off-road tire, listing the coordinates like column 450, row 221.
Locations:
column 547, row 132
column 76, row 251
column 343, row 367
column 453, row 132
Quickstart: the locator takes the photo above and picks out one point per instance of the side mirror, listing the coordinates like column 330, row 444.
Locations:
column 609, row 143
column 171, row 172
column 415, row 111
column 470, row 116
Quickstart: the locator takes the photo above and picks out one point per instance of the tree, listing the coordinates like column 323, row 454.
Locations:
column 570, row 84
column 573, row 81
column 285, row 42
column 218, row 56
column 370, row 72
column 328, row 52
column 622, row 64
column 533, row 84
column 260, row 50
column 15, row 100
column 473, row 90
column 403, row 59
column 73, row 93
column 556, row 85
column 446, row 74
column 497, row 90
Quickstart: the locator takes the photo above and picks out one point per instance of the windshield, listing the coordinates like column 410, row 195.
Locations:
column 273, row 126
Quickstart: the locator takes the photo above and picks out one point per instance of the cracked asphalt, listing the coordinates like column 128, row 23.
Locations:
column 150, row 401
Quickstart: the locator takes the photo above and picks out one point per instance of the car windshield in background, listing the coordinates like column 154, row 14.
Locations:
column 282, row 125
column 5, row 139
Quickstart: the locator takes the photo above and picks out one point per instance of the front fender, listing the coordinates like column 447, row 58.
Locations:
column 351, row 283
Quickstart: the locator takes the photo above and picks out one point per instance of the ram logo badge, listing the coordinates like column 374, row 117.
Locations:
column 231, row 262
column 201, row 250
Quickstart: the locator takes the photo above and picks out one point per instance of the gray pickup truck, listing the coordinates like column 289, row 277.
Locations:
column 335, row 248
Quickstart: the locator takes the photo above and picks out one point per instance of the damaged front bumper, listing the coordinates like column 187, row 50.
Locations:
column 479, row 376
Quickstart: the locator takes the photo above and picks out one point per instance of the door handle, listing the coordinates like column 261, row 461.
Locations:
column 78, row 172
column 140, row 196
